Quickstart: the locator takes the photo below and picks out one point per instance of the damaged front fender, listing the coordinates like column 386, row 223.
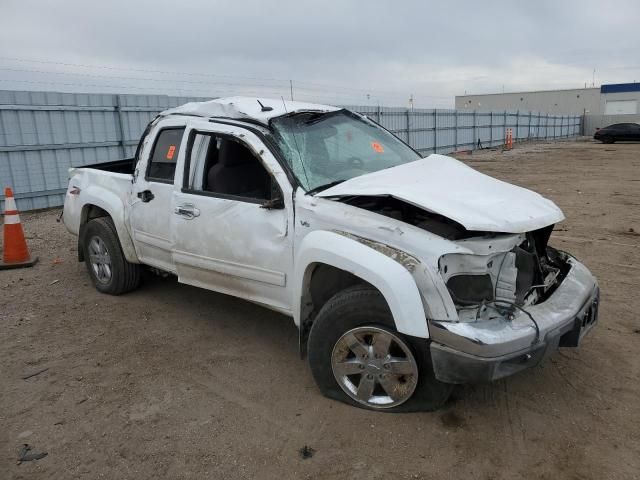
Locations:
column 386, row 268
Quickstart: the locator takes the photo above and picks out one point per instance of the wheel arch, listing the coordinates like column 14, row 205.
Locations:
column 341, row 261
column 106, row 204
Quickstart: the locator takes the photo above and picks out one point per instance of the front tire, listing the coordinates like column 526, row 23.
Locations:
column 109, row 270
column 356, row 356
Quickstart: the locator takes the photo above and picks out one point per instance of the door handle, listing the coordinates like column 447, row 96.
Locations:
column 146, row 196
column 187, row 210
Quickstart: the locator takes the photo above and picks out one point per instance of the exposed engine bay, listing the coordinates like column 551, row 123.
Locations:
column 405, row 212
column 506, row 271
column 486, row 285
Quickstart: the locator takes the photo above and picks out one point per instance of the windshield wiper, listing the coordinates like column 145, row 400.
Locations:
column 324, row 187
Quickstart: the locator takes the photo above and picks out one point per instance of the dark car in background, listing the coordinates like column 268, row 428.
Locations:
column 618, row 132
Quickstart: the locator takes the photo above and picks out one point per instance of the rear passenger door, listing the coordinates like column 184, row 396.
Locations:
column 152, row 195
column 232, row 217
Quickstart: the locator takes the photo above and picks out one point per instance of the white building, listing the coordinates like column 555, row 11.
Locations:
column 611, row 99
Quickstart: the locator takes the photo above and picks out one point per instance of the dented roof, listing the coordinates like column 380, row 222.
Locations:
column 243, row 108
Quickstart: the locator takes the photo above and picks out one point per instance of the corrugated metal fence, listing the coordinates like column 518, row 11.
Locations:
column 43, row 134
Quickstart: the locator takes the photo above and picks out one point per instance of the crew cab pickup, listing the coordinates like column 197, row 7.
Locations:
column 404, row 275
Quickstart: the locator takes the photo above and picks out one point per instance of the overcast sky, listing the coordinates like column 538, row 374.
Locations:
column 349, row 52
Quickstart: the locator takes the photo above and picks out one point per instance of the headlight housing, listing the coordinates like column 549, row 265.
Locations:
column 471, row 289
column 472, row 279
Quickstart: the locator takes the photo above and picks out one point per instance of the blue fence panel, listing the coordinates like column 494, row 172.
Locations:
column 43, row 134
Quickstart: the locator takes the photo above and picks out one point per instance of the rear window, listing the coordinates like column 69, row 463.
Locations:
column 162, row 164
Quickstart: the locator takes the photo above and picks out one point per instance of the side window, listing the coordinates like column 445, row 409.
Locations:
column 224, row 166
column 162, row 162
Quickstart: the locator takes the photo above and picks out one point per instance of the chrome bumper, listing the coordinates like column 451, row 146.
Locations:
column 488, row 350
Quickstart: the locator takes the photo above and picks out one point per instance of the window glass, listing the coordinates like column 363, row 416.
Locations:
column 327, row 148
column 222, row 165
column 162, row 165
column 197, row 165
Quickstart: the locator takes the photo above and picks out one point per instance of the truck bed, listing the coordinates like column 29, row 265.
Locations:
column 106, row 185
column 126, row 165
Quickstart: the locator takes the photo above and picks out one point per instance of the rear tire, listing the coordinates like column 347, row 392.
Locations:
column 361, row 312
column 608, row 139
column 109, row 270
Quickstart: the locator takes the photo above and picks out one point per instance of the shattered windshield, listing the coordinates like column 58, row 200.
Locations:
column 324, row 149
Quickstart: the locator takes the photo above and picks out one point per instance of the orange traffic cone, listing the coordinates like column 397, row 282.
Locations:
column 508, row 140
column 16, row 253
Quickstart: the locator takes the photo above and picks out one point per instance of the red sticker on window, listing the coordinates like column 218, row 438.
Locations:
column 377, row 147
column 170, row 152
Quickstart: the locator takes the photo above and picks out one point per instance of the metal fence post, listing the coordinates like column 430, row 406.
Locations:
column 435, row 131
column 491, row 128
column 474, row 129
column 529, row 132
column 379, row 114
column 539, row 135
column 504, row 128
column 455, row 131
column 120, row 130
column 546, row 127
column 408, row 128
column 517, row 122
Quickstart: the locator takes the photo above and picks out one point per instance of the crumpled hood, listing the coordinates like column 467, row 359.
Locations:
column 445, row 186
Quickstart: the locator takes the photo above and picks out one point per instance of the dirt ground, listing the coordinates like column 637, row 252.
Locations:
column 175, row 382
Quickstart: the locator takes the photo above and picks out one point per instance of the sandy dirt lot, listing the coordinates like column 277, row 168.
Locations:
column 175, row 382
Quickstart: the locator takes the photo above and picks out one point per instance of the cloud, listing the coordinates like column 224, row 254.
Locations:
column 345, row 51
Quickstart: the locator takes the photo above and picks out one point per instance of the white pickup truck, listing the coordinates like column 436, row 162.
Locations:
column 405, row 275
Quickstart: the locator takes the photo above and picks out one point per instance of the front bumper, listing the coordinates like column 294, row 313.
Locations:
column 487, row 350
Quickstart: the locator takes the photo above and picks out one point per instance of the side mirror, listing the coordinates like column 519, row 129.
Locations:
column 273, row 204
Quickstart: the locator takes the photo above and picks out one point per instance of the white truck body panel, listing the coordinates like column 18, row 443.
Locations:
column 389, row 276
column 106, row 190
column 233, row 246
column 267, row 255
column 443, row 185
column 246, row 108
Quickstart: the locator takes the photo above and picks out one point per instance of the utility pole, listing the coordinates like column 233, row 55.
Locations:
column 411, row 101
column 291, row 88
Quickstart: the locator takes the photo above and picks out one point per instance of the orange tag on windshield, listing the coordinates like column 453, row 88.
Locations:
column 170, row 152
column 377, row 147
